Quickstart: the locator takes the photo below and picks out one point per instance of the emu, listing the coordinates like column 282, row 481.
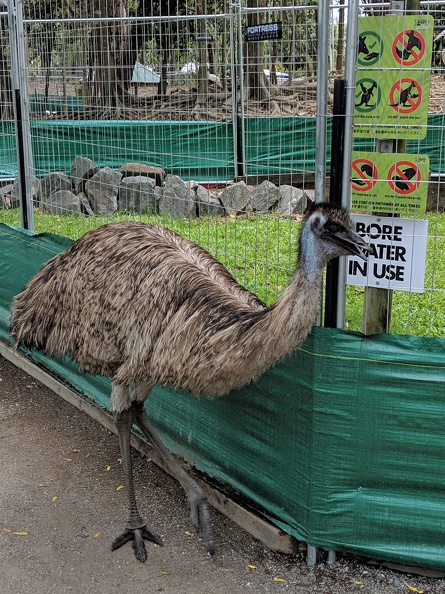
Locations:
column 140, row 304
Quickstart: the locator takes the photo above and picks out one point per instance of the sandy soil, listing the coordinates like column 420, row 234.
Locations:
column 61, row 507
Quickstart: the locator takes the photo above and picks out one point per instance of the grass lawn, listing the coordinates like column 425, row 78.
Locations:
column 260, row 252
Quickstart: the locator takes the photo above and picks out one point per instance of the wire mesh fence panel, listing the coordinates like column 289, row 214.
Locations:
column 124, row 103
column 202, row 118
column 8, row 153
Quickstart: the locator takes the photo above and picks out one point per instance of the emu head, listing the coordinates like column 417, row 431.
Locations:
column 328, row 233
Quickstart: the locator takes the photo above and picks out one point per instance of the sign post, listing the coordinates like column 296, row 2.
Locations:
column 391, row 103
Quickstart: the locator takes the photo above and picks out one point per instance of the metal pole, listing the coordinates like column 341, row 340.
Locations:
column 241, row 130
column 320, row 142
column 350, row 68
column 335, row 185
column 21, row 111
column 322, row 95
column 234, row 79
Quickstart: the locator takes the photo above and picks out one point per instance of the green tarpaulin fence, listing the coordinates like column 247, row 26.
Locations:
column 341, row 445
column 202, row 151
column 287, row 145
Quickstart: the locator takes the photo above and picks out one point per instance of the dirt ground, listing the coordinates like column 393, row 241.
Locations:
column 61, row 506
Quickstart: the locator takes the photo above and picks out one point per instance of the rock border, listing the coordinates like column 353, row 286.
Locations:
column 137, row 188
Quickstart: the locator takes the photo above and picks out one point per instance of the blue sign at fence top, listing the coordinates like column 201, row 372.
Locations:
column 264, row 31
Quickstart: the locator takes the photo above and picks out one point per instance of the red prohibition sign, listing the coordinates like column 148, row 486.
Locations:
column 367, row 175
column 405, row 95
column 404, row 177
column 408, row 47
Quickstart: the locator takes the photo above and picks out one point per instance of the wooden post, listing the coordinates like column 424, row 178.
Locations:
column 378, row 302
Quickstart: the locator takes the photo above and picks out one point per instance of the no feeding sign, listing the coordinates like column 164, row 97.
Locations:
column 389, row 182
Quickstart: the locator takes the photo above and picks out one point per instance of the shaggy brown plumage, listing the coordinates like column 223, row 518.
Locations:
column 141, row 305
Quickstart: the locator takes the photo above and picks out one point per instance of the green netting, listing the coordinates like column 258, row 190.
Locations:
column 342, row 445
column 287, row 145
column 193, row 150
column 8, row 151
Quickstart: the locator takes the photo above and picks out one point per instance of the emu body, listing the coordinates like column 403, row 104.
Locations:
column 142, row 305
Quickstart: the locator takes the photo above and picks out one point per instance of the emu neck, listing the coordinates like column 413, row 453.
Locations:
column 291, row 318
column 310, row 257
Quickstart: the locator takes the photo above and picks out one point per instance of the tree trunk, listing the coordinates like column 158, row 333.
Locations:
column 6, row 99
column 255, row 85
column 203, row 58
column 113, row 55
column 340, row 40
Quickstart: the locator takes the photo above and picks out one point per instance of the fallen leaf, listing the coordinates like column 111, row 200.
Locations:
column 164, row 573
column 40, row 485
column 232, row 215
column 251, row 566
column 96, row 535
column 358, row 583
column 7, row 530
column 76, row 451
column 20, row 533
column 413, row 589
column 68, row 459
column 108, row 468
column 277, row 579
column 54, row 498
column 188, row 533
column 119, row 488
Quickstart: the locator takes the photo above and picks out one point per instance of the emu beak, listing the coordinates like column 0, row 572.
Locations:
column 353, row 244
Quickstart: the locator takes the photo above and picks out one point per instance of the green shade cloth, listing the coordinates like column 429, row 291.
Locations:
column 341, row 445
column 203, row 151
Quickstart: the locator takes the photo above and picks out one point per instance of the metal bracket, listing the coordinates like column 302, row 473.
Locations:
column 386, row 146
column 397, row 6
column 311, row 557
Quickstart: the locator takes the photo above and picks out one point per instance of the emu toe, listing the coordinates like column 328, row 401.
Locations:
column 200, row 518
column 137, row 536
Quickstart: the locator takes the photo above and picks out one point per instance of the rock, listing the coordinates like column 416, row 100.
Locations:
column 36, row 185
column 85, row 206
column 178, row 200
column 102, row 191
column 82, row 169
column 310, row 195
column 208, row 204
column 236, row 197
column 158, row 195
column 292, row 200
column 265, row 196
column 156, row 173
column 6, row 199
column 137, row 194
column 62, row 202
column 54, row 182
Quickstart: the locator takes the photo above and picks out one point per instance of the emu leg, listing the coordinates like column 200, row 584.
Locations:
column 135, row 529
column 200, row 515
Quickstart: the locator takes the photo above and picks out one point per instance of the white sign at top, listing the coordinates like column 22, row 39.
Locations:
column 399, row 255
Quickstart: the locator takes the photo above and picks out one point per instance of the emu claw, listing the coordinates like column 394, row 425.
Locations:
column 137, row 536
column 200, row 518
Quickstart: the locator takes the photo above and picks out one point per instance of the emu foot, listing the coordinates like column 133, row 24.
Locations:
column 138, row 536
column 202, row 523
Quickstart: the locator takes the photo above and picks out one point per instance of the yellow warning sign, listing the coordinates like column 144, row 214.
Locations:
column 389, row 182
column 393, row 76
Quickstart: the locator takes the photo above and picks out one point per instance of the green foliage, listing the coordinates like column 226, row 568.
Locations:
column 261, row 253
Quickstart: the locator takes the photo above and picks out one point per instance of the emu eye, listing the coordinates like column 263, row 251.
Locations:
column 332, row 227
